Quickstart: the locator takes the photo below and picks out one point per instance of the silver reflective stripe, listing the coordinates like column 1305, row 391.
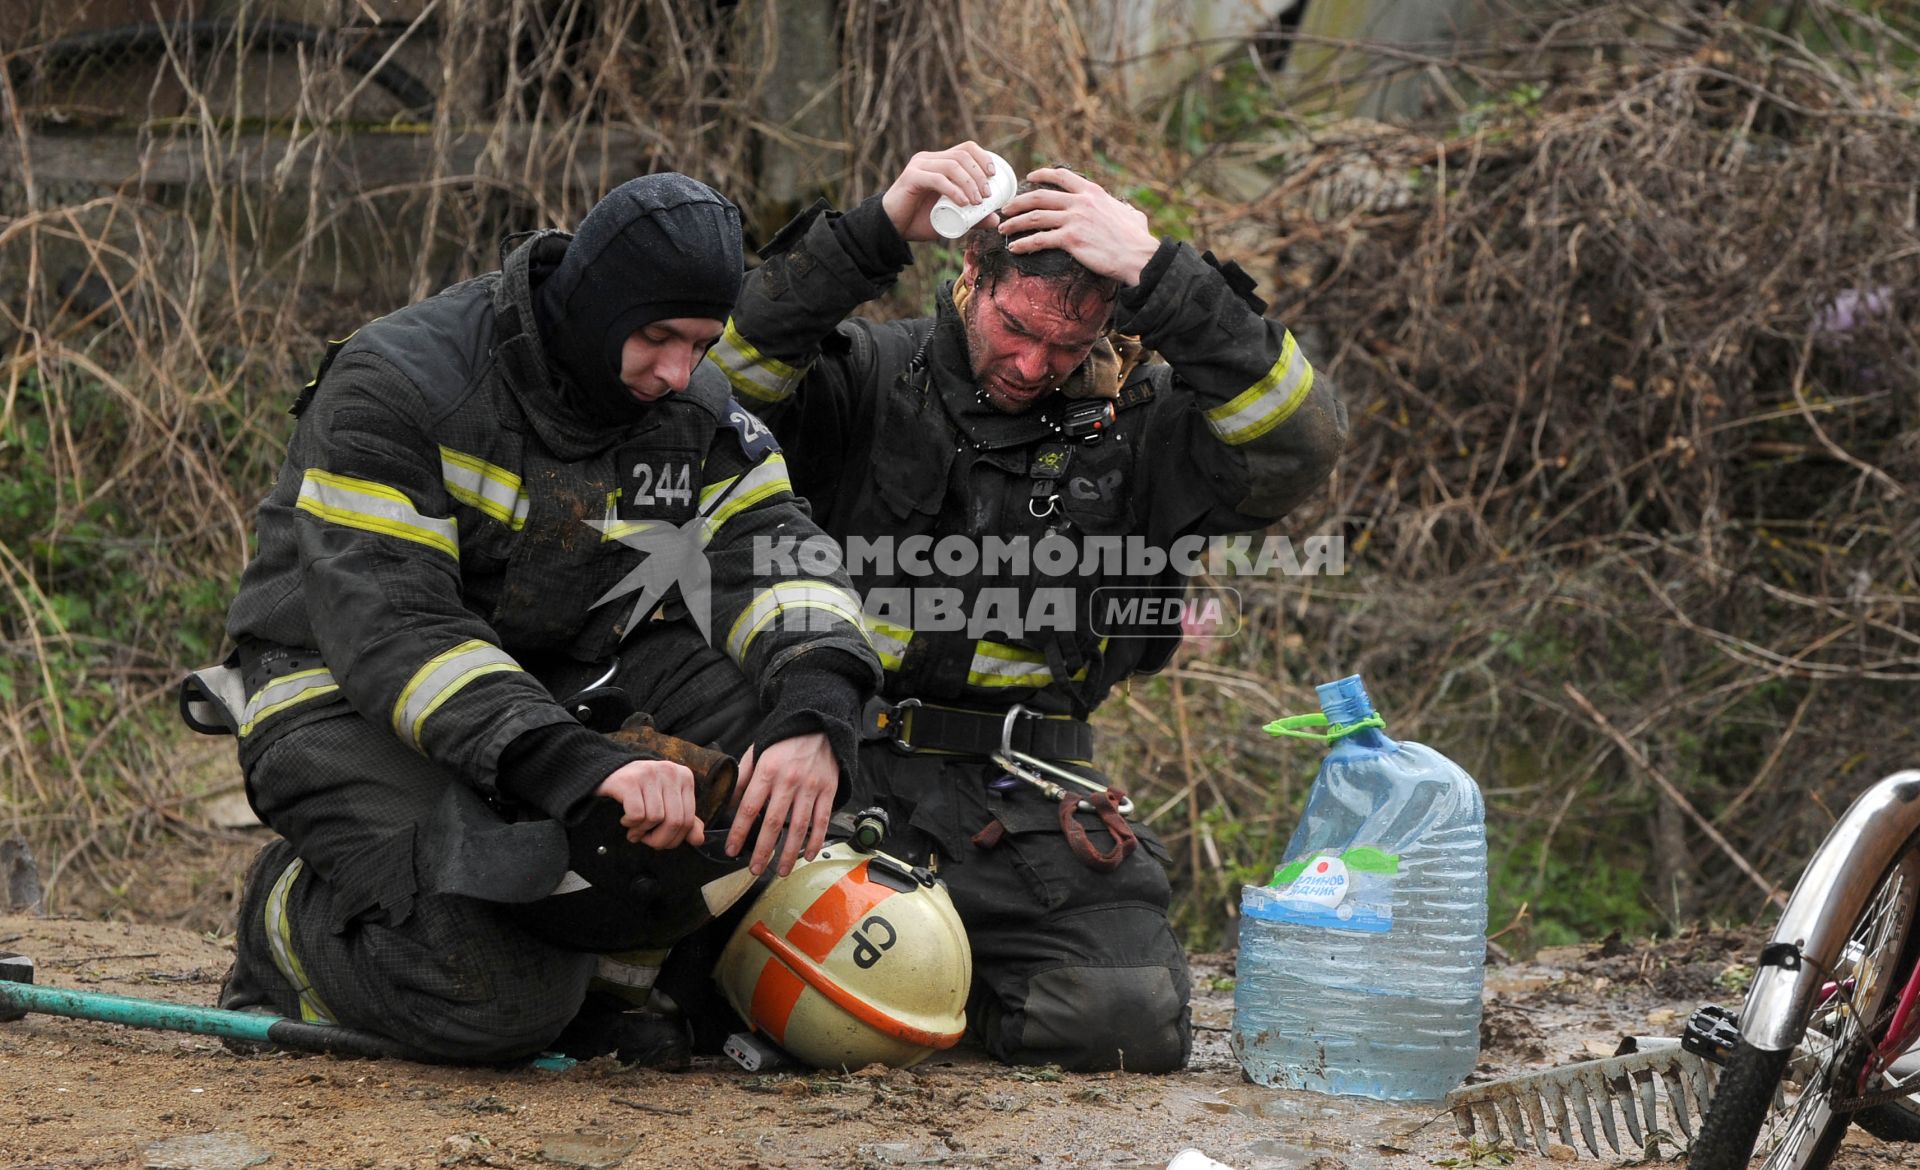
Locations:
column 766, row 481
column 226, row 697
column 284, row 692
column 633, row 970
column 280, row 941
column 374, row 507
column 754, row 375
column 793, row 598
column 888, row 640
column 495, row 491
column 996, row 664
column 1267, row 403
column 440, row 679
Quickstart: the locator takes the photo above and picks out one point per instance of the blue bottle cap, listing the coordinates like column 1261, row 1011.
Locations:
column 1345, row 700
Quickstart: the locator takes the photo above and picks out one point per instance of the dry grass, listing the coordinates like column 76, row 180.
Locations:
column 277, row 190
column 1602, row 435
column 1631, row 499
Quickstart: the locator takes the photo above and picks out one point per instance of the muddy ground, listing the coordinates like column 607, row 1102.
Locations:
column 84, row 1094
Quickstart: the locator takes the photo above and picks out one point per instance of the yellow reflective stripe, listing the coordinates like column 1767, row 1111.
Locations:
column 280, row 942
column 442, row 678
column 613, row 528
column 888, row 640
column 1267, row 403
column 493, row 490
column 763, row 483
column 753, row 374
column 996, row 664
column 374, row 507
column 789, row 597
column 286, row 691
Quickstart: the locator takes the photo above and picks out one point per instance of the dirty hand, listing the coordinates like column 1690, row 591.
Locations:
column 1081, row 219
column 657, row 799
column 959, row 172
column 790, row 789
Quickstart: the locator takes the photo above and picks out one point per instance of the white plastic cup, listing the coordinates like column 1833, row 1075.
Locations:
column 954, row 220
column 1192, row 1159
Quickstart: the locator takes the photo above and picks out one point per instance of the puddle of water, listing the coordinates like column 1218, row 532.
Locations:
column 1320, row 1110
column 1274, row 1154
column 935, row 1153
column 587, row 1149
column 1295, row 1130
column 204, row 1151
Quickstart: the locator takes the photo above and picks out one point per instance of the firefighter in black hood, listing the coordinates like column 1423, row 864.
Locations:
column 946, row 453
column 495, row 498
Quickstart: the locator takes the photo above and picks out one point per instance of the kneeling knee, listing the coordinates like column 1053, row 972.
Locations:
column 1097, row 1019
column 520, row 1018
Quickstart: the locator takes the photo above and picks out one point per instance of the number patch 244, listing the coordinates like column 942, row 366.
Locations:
column 657, row 487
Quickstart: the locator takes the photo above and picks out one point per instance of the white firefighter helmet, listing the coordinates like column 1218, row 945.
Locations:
column 853, row 958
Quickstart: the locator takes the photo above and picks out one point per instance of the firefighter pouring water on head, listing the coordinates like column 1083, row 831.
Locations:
column 1023, row 412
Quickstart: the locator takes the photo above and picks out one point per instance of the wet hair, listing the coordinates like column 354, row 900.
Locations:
column 1071, row 280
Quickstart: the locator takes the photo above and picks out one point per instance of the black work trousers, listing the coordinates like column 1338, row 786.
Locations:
column 395, row 918
column 1071, row 966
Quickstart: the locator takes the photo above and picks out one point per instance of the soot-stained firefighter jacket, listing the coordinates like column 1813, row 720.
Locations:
column 886, row 437
column 444, row 525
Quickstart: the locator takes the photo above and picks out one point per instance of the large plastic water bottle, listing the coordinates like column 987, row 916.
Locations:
column 1361, row 964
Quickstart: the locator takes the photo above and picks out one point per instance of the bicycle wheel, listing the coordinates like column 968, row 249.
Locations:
column 1898, row 1121
column 1741, row 1122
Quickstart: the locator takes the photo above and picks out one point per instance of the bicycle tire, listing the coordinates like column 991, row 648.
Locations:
column 1898, row 1122
column 1741, row 1102
column 1810, row 1132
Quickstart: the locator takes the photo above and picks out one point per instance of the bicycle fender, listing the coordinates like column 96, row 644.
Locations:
column 1830, row 895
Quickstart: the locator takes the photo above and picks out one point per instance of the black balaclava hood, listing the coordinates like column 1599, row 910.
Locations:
column 656, row 247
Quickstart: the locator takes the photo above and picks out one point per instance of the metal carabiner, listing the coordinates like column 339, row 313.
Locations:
column 1023, row 766
column 1053, row 505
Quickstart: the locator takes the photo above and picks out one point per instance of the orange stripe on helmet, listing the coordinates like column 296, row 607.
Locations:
column 815, row 933
column 774, row 994
column 838, row 909
column 806, row 969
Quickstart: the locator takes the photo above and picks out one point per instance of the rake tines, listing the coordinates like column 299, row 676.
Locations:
column 1584, row 1094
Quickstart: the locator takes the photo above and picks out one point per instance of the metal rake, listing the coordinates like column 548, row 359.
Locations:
column 1660, row 1079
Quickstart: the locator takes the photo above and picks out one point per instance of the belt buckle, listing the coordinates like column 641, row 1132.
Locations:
column 895, row 723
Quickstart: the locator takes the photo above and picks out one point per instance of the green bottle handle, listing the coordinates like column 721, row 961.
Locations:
column 1296, row 725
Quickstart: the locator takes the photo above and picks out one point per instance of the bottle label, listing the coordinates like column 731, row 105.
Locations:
column 1346, row 891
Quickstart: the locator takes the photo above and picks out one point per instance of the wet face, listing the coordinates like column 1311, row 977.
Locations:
column 1022, row 341
column 658, row 359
